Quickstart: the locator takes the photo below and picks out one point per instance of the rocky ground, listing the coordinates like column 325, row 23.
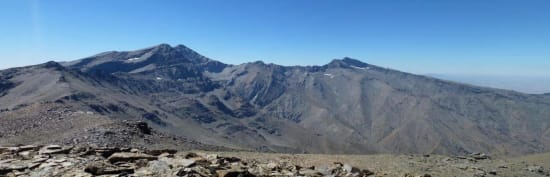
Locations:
column 54, row 124
column 54, row 160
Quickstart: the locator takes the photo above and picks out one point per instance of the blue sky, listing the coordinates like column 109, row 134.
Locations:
column 487, row 37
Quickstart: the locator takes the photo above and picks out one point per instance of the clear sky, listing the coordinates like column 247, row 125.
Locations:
column 491, row 37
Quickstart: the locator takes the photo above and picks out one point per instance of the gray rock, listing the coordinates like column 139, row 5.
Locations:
column 233, row 173
column 26, row 155
column 479, row 173
column 185, row 162
column 177, row 162
column 29, row 148
column 161, row 151
column 535, row 168
column 310, row 172
column 156, row 168
column 40, row 158
column 106, row 151
column 325, row 170
column 211, row 157
column 55, row 149
column 100, row 168
column 3, row 149
column 479, row 156
column 128, row 157
column 7, row 168
column 195, row 171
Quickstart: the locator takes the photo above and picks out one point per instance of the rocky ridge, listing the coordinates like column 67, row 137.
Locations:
column 84, row 161
column 55, row 160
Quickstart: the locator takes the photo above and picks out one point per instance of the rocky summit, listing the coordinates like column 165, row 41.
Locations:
column 80, row 161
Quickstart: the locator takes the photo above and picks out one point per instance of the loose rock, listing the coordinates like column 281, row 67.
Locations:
column 129, row 157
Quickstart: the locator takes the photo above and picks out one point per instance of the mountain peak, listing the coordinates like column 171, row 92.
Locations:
column 163, row 45
column 354, row 62
column 167, row 48
column 347, row 62
column 161, row 48
column 146, row 59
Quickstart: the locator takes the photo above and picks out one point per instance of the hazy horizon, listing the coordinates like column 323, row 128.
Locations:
column 525, row 84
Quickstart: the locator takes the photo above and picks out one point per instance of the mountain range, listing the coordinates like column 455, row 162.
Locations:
column 189, row 100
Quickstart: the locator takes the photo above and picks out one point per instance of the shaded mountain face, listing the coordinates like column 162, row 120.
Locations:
column 346, row 106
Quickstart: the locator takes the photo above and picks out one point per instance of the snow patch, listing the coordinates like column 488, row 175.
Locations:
column 132, row 59
column 159, row 78
column 329, row 75
column 365, row 68
column 255, row 97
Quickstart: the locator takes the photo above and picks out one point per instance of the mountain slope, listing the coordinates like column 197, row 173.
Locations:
column 375, row 109
column 346, row 106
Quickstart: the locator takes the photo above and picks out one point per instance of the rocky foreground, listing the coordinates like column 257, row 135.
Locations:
column 54, row 160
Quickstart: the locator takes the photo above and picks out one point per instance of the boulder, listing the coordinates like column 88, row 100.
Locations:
column 39, row 158
column 195, row 171
column 191, row 155
column 535, row 168
column 231, row 159
column 367, row 172
column 479, row 156
column 156, row 168
column 100, row 168
column 9, row 149
column 177, row 162
column 310, row 172
column 7, row 168
column 200, row 161
column 211, row 157
column 3, row 149
column 106, row 151
column 55, row 149
column 29, row 148
column 26, row 155
column 184, row 162
column 129, row 157
column 233, row 173
column 161, row 151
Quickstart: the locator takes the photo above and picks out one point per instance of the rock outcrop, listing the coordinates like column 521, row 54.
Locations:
column 54, row 160
column 115, row 161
